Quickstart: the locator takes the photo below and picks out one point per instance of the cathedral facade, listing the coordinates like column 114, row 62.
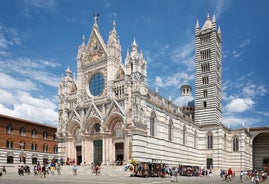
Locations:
column 108, row 113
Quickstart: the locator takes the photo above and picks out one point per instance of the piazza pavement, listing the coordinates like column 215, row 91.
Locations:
column 109, row 175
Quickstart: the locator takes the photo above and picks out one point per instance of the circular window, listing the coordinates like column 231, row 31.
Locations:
column 96, row 85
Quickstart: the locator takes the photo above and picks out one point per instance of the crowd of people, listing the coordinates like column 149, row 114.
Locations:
column 40, row 169
column 254, row 176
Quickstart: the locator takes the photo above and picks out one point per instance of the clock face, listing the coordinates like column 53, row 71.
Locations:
column 96, row 84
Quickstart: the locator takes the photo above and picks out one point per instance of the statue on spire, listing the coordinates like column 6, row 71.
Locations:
column 186, row 79
column 95, row 16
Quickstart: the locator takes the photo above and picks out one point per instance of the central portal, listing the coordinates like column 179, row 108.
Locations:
column 97, row 152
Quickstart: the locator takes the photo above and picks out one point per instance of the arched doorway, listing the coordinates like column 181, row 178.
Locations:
column 261, row 151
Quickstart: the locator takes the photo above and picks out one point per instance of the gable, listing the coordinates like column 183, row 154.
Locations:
column 96, row 49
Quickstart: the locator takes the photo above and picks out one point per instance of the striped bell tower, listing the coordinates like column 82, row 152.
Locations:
column 208, row 73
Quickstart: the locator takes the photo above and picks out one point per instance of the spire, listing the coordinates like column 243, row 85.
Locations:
column 113, row 33
column 219, row 31
column 197, row 25
column 83, row 40
column 114, row 25
column 207, row 24
column 68, row 72
column 134, row 46
column 214, row 19
column 128, row 54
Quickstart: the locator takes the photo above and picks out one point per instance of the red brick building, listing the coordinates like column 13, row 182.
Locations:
column 23, row 141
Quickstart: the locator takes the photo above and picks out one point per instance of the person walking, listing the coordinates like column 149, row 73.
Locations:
column 75, row 168
column 4, row 169
column 230, row 173
column 97, row 170
column 241, row 176
column 58, row 168
column 43, row 171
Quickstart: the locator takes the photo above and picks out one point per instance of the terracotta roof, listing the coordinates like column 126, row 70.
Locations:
column 27, row 121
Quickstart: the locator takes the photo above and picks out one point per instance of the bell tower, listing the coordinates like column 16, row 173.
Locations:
column 208, row 73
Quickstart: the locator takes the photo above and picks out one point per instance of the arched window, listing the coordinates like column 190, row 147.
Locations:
column 184, row 135
column 170, row 128
column 96, row 128
column 45, row 135
column 34, row 160
column 55, row 149
column 34, row 147
column 9, row 129
column 22, row 145
column 34, row 133
column 9, row 144
column 209, row 140
column 45, row 148
column 152, row 124
column 10, row 159
column 22, row 131
column 235, row 144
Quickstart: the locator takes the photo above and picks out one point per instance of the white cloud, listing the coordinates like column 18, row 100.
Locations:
column 239, row 105
column 233, row 121
column 221, row 6
column 23, row 105
column 183, row 51
column 245, row 43
column 8, row 82
column 237, row 122
column 40, row 4
column 237, row 54
column 175, row 80
column 17, row 101
column 31, row 112
column 107, row 3
column 34, row 70
column 9, row 36
column 263, row 113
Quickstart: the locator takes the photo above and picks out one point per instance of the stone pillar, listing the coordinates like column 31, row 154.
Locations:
column 83, row 150
column 88, row 150
column 127, row 147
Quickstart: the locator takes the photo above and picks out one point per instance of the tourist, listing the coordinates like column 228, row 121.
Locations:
column 36, row 170
column 97, row 170
column 241, row 176
column 4, row 169
column 43, row 171
column 230, row 174
column 58, row 168
column 75, row 168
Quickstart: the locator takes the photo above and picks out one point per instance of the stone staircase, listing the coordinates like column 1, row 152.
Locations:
column 106, row 170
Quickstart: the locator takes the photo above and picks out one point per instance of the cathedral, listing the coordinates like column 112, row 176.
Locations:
column 107, row 111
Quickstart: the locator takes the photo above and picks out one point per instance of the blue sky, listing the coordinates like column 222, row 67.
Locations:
column 39, row 40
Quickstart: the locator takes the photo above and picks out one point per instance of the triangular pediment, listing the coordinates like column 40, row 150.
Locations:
column 96, row 49
column 73, row 88
column 120, row 73
column 115, row 107
column 93, row 111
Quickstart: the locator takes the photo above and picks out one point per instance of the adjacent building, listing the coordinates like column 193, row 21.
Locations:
column 107, row 112
column 26, row 142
